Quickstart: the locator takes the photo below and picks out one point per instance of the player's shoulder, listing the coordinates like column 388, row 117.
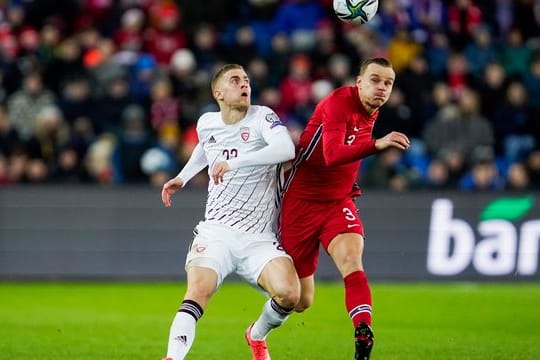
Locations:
column 266, row 117
column 208, row 119
column 260, row 111
column 341, row 95
column 338, row 100
column 263, row 114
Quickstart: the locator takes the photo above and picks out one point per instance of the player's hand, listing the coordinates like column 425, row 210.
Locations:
column 393, row 139
column 219, row 169
column 169, row 189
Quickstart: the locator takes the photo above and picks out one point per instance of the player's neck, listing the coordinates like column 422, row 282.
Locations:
column 232, row 116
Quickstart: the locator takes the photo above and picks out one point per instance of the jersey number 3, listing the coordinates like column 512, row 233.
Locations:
column 349, row 215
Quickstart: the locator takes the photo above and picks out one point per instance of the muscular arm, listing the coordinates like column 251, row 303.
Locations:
column 197, row 161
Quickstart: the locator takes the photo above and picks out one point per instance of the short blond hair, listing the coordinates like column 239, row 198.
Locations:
column 221, row 71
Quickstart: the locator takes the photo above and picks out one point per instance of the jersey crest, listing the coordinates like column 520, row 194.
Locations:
column 244, row 134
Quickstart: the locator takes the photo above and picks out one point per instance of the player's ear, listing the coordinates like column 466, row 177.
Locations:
column 218, row 94
column 358, row 80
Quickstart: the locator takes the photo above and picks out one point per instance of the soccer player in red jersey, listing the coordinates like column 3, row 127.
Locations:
column 318, row 205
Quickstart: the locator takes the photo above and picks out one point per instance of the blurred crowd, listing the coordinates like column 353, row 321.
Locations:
column 109, row 92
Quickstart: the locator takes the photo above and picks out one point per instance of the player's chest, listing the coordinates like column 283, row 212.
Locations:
column 357, row 130
column 229, row 142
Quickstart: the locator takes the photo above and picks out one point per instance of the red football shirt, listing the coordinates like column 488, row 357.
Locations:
column 328, row 156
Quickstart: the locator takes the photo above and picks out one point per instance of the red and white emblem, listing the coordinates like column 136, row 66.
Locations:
column 244, row 134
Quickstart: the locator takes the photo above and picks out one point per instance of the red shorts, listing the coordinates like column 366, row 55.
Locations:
column 306, row 224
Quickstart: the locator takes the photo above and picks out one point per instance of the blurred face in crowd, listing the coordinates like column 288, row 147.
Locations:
column 375, row 85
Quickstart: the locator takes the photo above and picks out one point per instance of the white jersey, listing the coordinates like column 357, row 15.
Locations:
column 247, row 198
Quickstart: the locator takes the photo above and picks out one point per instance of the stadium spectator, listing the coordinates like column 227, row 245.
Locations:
column 416, row 84
column 464, row 17
column 133, row 140
column 459, row 130
column 104, row 41
column 515, row 54
column 533, row 168
column 532, row 83
column 517, row 178
column 481, row 51
column 318, row 204
column 512, row 122
column 295, row 87
column 492, row 86
column 49, row 136
column 164, row 109
column 24, row 105
column 402, row 49
column 437, row 52
column 165, row 35
column 484, row 175
column 9, row 136
column 232, row 238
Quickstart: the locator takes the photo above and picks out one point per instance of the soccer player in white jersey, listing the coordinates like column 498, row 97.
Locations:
column 242, row 145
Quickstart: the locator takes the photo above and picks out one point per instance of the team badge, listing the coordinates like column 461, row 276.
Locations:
column 244, row 134
column 200, row 248
column 273, row 119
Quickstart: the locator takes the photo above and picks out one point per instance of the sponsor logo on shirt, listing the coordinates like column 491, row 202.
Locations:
column 212, row 140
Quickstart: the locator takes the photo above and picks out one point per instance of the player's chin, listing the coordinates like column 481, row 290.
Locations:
column 379, row 101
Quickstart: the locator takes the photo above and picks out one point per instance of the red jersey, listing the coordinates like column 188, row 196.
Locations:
column 330, row 150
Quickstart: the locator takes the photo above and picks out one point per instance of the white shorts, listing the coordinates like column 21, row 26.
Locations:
column 226, row 250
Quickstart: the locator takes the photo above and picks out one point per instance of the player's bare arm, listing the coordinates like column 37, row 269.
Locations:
column 393, row 139
column 169, row 188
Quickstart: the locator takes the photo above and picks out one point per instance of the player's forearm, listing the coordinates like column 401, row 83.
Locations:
column 197, row 161
column 340, row 154
column 281, row 149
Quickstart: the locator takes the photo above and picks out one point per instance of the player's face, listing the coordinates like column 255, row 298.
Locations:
column 375, row 85
column 234, row 89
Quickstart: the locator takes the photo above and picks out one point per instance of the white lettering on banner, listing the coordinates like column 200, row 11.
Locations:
column 452, row 246
column 495, row 255
column 528, row 248
column 442, row 230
